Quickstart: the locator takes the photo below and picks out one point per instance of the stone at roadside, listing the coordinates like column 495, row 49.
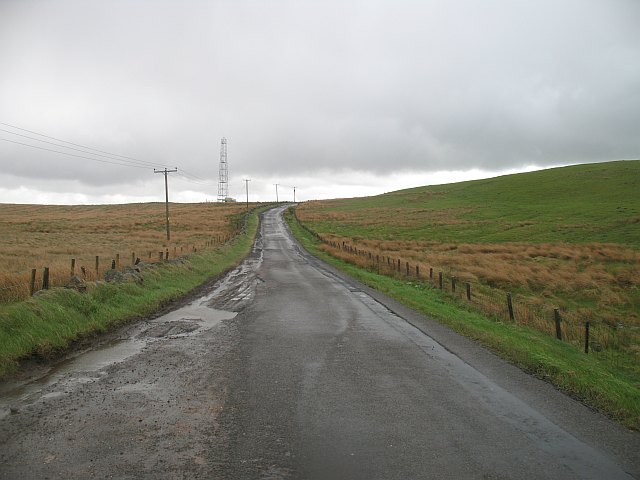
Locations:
column 76, row 283
column 128, row 274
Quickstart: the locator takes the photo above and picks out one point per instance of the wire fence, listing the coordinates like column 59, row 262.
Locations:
column 17, row 286
column 584, row 330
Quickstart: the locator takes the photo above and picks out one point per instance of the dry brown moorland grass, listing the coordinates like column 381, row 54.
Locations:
column 593, row 275
column 35, row 236
column 593, row 281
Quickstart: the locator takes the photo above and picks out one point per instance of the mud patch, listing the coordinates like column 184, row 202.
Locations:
column 171, row 329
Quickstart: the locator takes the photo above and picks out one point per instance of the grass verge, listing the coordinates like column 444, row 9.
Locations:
column 48, row 324
column 596, row 384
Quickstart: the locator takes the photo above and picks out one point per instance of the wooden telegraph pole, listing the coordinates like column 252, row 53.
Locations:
column 246, row 182
column 166, row 194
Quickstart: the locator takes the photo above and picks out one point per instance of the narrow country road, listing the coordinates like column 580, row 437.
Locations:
column 285, row 369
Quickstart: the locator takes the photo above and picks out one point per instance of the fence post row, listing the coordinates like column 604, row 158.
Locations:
column 398, row 267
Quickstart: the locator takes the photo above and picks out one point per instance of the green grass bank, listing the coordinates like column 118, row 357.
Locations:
column 46, row 325
column 599, row 384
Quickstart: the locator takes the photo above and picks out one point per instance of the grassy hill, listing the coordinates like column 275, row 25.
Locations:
column 583, row 203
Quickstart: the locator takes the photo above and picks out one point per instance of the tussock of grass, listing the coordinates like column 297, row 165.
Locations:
column 49, row 323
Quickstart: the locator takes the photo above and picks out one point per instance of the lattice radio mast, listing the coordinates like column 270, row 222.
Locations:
column 223, row 178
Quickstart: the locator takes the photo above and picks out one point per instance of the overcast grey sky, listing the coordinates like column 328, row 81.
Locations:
column 338, row 98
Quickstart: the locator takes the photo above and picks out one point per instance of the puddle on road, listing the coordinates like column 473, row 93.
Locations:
column 16, row 394
column 192, row 319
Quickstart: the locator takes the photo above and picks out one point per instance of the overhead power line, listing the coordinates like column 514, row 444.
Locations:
column 74, row 155
column 140, row 163
column 122, row 158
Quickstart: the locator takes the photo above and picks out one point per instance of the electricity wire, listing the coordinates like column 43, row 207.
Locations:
column 124, row 157
column 140, row 163
column 74, row 155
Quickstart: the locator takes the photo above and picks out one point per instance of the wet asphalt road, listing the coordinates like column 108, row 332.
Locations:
column 285, row 369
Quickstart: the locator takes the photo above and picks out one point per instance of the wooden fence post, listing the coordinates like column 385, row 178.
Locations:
column 399, row 263
column 118, row 261
column 417, row 271
column 556, row 317
column 133, row 258
column 407, row 269
column 45, row 279
column 510, row 307
column 97, row 265
column 468, row 291
column 453, row 284
column 586, row 337
column 430, row 273
column 73, row 266
column 440, row 280
column 32, row 283
column 166, row 255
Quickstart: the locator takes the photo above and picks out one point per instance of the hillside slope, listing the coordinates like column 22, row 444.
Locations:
column 583, row 203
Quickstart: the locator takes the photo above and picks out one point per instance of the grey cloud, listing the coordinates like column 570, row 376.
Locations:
column 303, row 87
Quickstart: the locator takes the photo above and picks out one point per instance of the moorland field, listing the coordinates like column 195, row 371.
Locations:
column 35, row 236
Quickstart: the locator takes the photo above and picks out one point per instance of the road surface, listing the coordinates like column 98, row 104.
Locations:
column 286, row 369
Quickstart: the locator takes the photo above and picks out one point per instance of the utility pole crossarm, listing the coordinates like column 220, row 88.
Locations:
column 166, row 194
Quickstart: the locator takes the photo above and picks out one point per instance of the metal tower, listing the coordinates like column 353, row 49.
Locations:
column 223, row 178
